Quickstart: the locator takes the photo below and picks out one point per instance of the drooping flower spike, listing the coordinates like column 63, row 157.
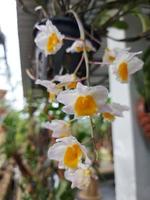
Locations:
column 78, row 47
column 126, row 65
column 49, row 39
column 116, row 110
column 80, row 177
column 59, row 128
column 84, row 101
column 69, row 153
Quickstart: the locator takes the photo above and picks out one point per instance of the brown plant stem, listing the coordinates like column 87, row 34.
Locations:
column 93, row 140
column 23, row 168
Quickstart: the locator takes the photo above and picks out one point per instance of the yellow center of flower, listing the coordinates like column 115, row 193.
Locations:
column 87, row 172
column 72, row 85
column 53, row 41
column 108, row 116
column 52, row 97
column 63, row 135
column 80, row 49
column 123, row 71
column 72, row 156
column 111, row 58
column 85, row 105
column 66, row 129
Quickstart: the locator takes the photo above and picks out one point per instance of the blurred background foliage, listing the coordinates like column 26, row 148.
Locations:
column 142, row 79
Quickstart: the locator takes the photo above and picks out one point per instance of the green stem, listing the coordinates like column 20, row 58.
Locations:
column 93, row 140
column 82, row 37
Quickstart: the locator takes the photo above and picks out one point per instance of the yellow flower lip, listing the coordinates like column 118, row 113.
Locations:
column 85, row 105
column 72, row 156
column 111, row 58
column 52, row 96
column 72, row 85
column 52, row 42
column 123, row 71
column 87, row 172
column 108, row 116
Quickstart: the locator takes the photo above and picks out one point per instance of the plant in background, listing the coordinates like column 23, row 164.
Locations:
column 146, row 76
column 142, row 80
column 25, row 145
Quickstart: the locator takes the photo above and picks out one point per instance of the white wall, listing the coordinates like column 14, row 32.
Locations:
column 131, row 150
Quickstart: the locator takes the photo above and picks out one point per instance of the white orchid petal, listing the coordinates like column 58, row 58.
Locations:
column 82, row 89
column 78, row 45
column 60, row 128
column 56, row 151
column 100, row 94
column 118, row 109
column 67, row 97
column 79, row 178
column 106, row 108
column 68, row 109
column 65, row 78
column 135, row 65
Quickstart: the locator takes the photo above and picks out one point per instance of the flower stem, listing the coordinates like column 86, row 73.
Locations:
column 98, row 63
column 79, row 64
column 93, row 140
column 71, row 38
column 82, row 37
column 85, row 55
column 92, row 37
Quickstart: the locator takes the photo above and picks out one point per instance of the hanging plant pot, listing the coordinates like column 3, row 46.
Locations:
column 51, row 65
column 92, row 192
column 143, row 117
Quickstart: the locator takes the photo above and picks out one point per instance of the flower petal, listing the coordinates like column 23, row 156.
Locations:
column 100, row 94
column 67, row 97
column 56, row 151
column 135, row 65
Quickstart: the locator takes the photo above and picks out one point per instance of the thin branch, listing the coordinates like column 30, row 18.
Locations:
column 23, row 168
column 82, row 37
column 79, row 64
column 92, row 37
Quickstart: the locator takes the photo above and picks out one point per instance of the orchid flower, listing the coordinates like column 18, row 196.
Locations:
column 48, row 39
column 69, row 153
column 59, row 128
column 84, row 101
column 78, row 46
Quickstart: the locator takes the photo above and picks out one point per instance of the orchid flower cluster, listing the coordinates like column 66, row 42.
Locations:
column 80, row 100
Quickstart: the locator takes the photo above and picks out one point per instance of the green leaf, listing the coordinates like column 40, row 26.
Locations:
column 120, row 25
column 145, row 21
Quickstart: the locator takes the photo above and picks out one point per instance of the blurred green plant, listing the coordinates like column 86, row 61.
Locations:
column 142, row 79
column 99, row 15
column 26, row 143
